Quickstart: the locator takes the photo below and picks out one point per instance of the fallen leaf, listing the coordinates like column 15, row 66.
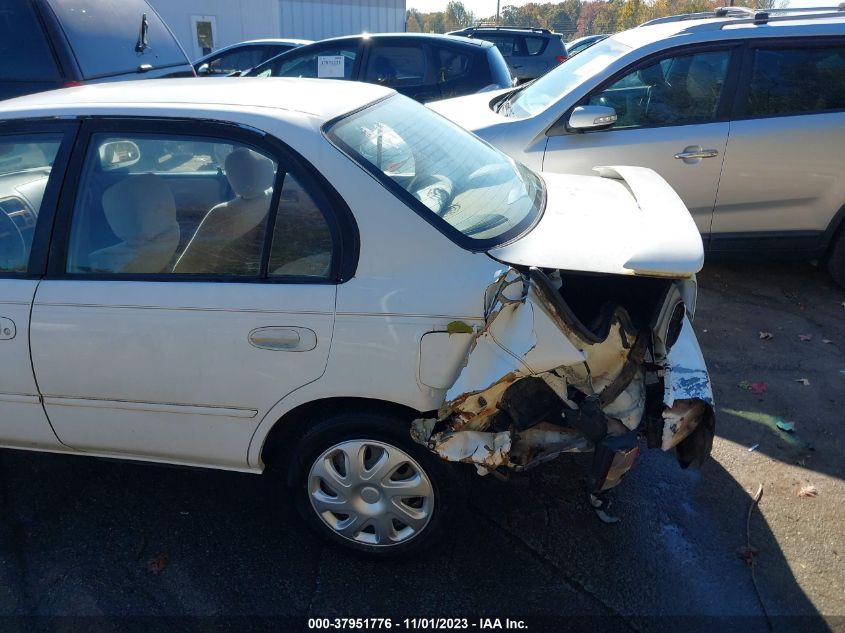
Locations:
column 747, row 553
column 744, row 385
column 788, row 427
column 758, row 388
column 808, row 491
column 158, row 564
column 826, row 341
column 765, row 336
column 803, row 381
column 805, row 337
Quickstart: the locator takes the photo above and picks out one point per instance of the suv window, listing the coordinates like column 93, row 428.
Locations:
column 163, row 204
column 396, row 65
column 505, row 43
column 797, row 80
column 24, row 51
column 104, row 35
column 535, row 45
column 672, row 91
column 25, row 165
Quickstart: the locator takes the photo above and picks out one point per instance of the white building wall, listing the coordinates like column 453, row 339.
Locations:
column 235, row 20
column 238, row 20
column 319, row 19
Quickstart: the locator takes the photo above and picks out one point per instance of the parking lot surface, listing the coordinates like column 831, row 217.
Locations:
column 85, row 537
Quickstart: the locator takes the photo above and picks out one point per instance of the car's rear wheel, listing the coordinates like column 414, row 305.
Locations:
column 836, row 259
column 363, row 483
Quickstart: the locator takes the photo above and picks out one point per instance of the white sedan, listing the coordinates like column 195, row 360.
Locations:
column 332, row 277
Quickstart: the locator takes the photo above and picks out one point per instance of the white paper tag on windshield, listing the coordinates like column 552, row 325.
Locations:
column 330, row 66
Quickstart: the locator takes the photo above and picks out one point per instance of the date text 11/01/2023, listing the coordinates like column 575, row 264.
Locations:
column 432, row 624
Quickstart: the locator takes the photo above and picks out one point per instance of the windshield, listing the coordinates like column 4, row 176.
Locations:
column 538, row 95
column 452, row 178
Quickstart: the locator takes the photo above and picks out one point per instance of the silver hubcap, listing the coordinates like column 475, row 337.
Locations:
column 370, row 492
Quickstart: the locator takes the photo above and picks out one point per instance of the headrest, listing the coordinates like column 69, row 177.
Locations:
column 139, row 208
column 249, row 173
column 702, row 78
column 652, row 75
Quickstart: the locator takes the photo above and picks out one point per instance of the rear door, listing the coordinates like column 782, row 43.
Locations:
column 673, row 118
column 179, row 309
column 782, row 182
column 33, row 158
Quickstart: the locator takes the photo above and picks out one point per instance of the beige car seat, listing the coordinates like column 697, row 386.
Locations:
column 228, row 238
column 141, row 212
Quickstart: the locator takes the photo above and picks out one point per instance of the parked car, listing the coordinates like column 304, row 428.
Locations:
column 322, row 271
column 582, row 43
column 238, row 58
column 424, row 67
column 47, row 44
column 528, row 52
column 670, row 95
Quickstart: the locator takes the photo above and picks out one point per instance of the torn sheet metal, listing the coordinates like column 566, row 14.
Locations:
column 537, row 383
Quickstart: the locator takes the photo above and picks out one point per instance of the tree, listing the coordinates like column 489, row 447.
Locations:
column 456, row 16
column 413, row 21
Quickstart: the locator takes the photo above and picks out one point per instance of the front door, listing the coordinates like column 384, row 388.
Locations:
column 32, row 164
column 191, row 288
column 670, row 119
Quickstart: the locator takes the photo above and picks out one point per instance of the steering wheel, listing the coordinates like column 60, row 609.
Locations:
column 12, row 245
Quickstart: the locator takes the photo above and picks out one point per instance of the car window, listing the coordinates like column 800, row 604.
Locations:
column 451, row 64
column 396, row 65
column 334, row 62
column 540, row 94
column 673, row 91
column 106, row 36
column 797, row 80
column 136, row 213
column 505, row 43
column 25, row 165
column 24, row 51
column 242, row 59
column 441, row 170
column 302, row 242
column 535, row 45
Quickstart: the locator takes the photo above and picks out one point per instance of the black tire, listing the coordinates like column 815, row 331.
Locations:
column 836, row 259
column 445, row 479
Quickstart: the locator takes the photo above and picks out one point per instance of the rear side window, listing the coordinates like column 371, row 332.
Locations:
column 24, row 51
column 242, row 59
column 797, row 80
column 108, row 38
column 535, row 45
column 505, row 43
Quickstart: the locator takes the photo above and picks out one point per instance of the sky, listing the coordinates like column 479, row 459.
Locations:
column 484, row 8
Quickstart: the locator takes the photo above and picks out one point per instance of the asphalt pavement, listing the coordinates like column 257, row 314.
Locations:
column 96, row 544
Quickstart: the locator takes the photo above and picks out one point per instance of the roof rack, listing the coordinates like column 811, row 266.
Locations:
column 507, row 28
column 745, row 15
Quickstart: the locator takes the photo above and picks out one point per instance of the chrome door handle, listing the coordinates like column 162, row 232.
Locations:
column 697, row 153
column 283, row 339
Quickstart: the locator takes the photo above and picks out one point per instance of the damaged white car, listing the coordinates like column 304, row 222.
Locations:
column 331, row 277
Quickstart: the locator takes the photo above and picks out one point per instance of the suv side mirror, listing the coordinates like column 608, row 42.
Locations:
column 591, row 117
column 203, row 69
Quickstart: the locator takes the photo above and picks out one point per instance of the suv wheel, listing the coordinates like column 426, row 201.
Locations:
column 836, row 259
column 363, row 483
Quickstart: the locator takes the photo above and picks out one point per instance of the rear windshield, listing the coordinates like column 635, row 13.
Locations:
column 473, row 192
column 24, row 51
column 104, row 35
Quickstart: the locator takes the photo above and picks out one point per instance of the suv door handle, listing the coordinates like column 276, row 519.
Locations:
column 689, row 153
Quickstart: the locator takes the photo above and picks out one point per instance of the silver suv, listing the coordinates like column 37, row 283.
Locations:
column 529, row 52
column 742, row 113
